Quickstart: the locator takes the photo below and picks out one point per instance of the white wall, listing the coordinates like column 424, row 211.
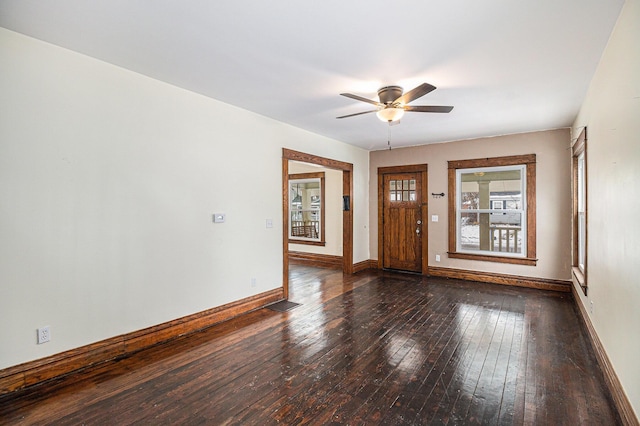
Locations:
column 553, row 197
column 108, row 180
column 332, row 206
column 611, row 112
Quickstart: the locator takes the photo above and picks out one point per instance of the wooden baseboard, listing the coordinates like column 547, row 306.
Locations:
column 490, row 277
column 620, row 399
column 317, row 260
column 365, row 264
column 33, row 372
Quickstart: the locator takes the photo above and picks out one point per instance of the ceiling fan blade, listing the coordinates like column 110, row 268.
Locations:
column 357, row 113
column 426, row 108
column 413, row 94
column 360, row 98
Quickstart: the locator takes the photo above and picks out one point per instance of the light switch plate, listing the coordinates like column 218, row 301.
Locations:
column 434, row 218
column 218, row 217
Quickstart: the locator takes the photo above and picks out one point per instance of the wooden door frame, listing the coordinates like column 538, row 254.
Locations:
column 424, row 210
column 347, row 216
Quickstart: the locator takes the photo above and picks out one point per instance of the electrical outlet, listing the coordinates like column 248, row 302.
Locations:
column 437, row 258
column 591, row 306
column 44, row 334
column 253, row 282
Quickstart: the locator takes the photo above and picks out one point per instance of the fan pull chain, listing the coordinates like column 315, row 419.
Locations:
column 389, row 136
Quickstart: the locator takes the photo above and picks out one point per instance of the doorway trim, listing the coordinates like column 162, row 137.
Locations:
column 347, row 215
column 424, row 210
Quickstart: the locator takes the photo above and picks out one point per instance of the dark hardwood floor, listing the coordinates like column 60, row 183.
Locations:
column 372, row 348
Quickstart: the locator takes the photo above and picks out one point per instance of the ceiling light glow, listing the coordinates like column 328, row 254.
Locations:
column 390, row 114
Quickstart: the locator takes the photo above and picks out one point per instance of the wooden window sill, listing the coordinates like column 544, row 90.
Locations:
column 309, row 243
column 499, row 259
column 580, row 278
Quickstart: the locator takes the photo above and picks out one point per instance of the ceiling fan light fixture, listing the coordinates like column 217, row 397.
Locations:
column 390, row 114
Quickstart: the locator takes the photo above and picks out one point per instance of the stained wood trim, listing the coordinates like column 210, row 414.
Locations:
column 34, row 372
column 315, row 259
column 578, row 148
column 530, row 161
column 453, row 195
column 494, row 278
column 347, row 222
column 308, row 243
column 493, row 161
column 314, row 159
column 381, row 217
column 410, row 168
column 620, row 399
column 365, row 264
column 501, row 259
column 531, row 210
column 285, row 225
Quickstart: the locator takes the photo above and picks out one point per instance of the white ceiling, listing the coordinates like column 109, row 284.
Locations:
column 507, row 66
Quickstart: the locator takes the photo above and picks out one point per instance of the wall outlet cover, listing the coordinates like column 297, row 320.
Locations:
column 44, row 334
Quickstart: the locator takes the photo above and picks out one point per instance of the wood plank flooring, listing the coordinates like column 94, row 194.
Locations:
column 371, row 348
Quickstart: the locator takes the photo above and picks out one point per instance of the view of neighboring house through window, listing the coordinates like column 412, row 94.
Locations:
column 488, row 209
column 580, row 210
column 306, row 208
column 483, row 221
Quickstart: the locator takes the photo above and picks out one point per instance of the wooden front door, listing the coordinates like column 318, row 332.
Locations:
column 403, row 228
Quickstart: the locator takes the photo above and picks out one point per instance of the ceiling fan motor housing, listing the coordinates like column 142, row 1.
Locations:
column 389, row 94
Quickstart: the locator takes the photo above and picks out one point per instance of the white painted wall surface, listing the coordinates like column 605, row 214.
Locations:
column 108, row 183
column 611, row 112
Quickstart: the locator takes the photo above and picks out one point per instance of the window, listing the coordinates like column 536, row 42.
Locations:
column 402, row 190
column 579, row 152
column 492, row 209
column 306, row 208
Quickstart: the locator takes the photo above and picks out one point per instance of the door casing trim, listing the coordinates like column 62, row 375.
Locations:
column 423, row 168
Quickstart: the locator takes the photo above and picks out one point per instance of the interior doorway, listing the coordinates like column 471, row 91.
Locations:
column 347, row 213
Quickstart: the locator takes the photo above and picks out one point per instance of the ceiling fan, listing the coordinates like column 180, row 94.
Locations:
column 393, row 103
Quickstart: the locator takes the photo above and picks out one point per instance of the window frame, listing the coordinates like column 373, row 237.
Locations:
column 321, row 237
column 528, row 201
column 578, row 149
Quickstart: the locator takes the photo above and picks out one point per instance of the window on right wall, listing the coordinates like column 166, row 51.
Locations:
column 492, row 209
column 579, row 184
